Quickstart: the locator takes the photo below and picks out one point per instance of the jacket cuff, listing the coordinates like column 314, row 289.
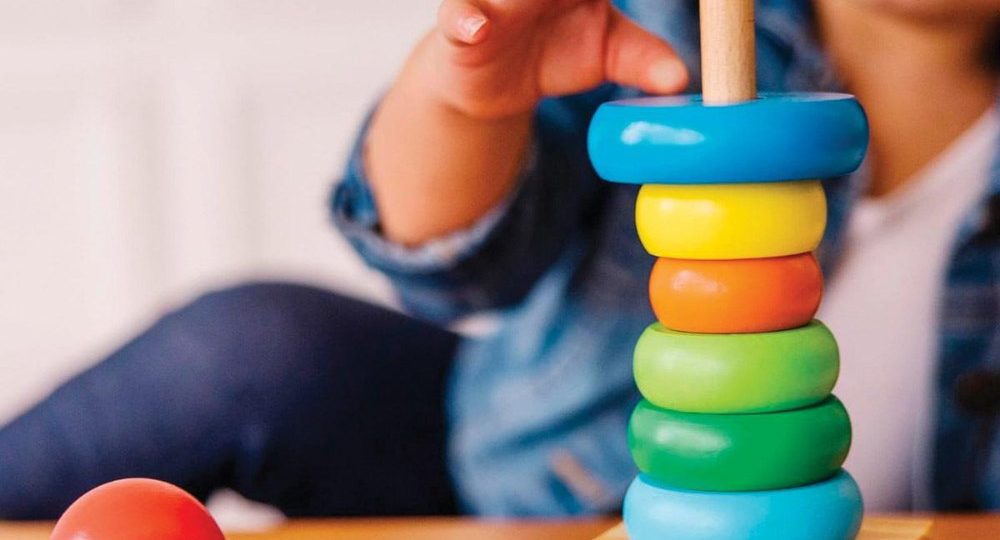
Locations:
column 355, row 213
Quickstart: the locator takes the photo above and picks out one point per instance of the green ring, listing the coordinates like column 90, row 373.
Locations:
column 736, row 373
column 740, row 452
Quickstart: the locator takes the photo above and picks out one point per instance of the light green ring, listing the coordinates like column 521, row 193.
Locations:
column 736, row 373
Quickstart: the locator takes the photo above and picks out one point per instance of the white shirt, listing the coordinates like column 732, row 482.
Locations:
column 882, row 305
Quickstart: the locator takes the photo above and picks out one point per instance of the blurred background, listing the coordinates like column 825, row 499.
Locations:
column 151, row 150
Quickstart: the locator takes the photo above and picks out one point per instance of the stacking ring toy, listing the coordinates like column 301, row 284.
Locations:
column 740, row 452
column 740, row 221
column 736, row 373
column 738, row 436
column 680, row 140
column 830, row 510
column 737, row 296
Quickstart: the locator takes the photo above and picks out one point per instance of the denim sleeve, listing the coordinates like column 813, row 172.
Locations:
column 495, row 262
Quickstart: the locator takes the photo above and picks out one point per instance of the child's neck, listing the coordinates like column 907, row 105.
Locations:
column 922, row 83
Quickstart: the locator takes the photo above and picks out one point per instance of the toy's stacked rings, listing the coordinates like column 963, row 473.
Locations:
column 738, row 435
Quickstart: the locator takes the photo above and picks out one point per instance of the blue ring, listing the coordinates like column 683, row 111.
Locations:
column 829, row 510
column 680, row 140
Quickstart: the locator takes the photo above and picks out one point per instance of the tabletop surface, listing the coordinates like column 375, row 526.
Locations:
column 950, row 527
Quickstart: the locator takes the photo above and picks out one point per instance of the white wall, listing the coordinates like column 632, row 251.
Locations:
column 150, row 149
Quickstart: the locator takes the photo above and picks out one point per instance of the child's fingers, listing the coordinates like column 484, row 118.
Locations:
column 462, row 22
column 635, row 57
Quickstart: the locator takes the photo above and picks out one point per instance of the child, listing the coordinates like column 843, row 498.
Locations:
column 471, row 189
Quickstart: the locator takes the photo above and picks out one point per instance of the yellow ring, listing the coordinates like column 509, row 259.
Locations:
column 731, row 221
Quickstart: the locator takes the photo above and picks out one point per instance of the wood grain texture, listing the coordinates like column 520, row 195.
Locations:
column 728, row 51
column 945, row 527
column 385, row 529
column 877, row 528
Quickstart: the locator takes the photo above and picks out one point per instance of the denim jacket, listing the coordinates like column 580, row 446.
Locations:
column 539, row 408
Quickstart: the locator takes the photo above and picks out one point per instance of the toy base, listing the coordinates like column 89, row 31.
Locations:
column 872, row 529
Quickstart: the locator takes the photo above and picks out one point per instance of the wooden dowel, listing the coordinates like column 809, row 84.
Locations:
column 728, row 51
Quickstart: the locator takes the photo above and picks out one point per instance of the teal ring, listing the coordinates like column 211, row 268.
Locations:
column 829, row 510
column 680, row 140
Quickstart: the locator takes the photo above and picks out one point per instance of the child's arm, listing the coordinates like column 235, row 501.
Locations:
column 448, row 141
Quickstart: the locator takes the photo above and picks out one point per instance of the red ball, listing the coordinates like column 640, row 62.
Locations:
column 137, row 509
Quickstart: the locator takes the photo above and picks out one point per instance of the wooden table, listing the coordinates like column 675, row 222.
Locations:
column 971, row 527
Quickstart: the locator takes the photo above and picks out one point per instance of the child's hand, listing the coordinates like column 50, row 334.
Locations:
column 458, row 120
column 492, row 59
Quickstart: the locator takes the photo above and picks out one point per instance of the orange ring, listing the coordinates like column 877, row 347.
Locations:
column 736, row 296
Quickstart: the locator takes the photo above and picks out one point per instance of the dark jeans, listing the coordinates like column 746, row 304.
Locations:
column 293, row 396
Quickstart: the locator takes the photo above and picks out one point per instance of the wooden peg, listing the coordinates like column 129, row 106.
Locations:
column 728, row 51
